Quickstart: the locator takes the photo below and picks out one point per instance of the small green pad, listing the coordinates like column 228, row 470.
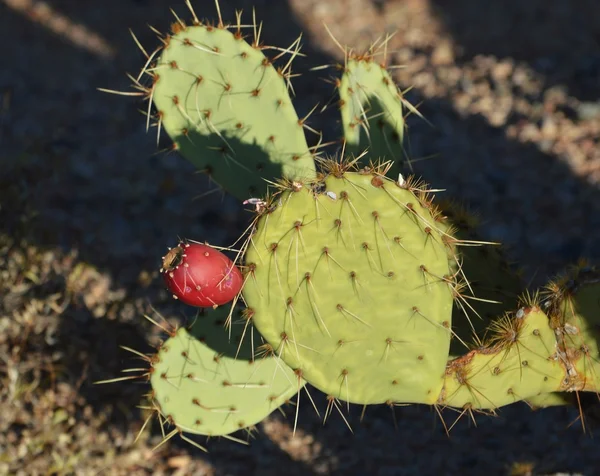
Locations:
column 228, row 110
column 372, row 113
column 347, row 286
column 519, row 364
column 201, row 387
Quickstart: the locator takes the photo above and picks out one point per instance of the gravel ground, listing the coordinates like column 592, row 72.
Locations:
column 86, row 207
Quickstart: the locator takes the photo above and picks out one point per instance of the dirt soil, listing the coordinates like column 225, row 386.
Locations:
column 87, row 208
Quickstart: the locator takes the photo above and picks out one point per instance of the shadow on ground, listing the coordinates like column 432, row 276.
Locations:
column 558, row 38
column 78, row 173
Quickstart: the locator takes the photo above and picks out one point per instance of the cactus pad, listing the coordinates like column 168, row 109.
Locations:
column 202, row 388
column 541, row 357
column 371, row 110
column 517, row 363
column 349, row 285
column 228, row 109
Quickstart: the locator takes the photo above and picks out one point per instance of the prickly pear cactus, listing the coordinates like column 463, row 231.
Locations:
column 227, row 108
column 350, row 283
column 206, row 383
column 357, row 282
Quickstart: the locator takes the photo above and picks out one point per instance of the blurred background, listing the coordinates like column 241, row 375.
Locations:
column 87, row 208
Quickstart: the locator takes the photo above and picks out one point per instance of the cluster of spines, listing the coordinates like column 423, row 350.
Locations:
column 574, row 327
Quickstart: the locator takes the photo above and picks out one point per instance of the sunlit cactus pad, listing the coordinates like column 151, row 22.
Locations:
column 227, row 108
column 539, row 354
column 350, row 284
column 516, row 364
column 201, row 387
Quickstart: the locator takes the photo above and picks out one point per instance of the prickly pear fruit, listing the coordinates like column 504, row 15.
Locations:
column 227, row 108
column 350, row 284
column 205, row 383
column 200, row 275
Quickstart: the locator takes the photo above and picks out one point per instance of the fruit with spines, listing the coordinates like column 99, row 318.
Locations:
column 200, row 275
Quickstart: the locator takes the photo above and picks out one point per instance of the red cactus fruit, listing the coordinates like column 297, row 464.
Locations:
column 200, row 275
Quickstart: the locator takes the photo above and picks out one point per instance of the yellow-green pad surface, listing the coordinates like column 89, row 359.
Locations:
column 202, row 387
column 554, row 399
column 228, row 109
column 520, row 366
column 347, row 286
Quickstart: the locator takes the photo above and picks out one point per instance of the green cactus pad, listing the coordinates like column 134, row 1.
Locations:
column 371, row 109
column 348, row 286
column 518, row 363
column 228, row 110
column 202, row 388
